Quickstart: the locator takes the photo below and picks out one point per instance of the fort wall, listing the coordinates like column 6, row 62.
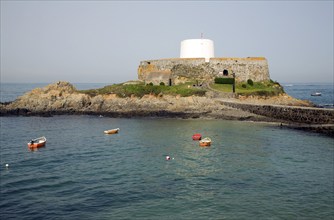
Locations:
column 179, row 70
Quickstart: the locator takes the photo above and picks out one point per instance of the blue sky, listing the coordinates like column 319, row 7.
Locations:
column 104, row 41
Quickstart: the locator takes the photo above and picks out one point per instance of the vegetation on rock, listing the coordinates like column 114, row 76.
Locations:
column 270, row 88
column 219, row 80
column 140, row 89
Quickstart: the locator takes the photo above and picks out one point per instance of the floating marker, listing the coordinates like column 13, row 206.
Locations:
column 167, row 157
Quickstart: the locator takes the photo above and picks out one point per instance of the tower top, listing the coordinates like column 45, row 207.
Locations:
column 197, row 48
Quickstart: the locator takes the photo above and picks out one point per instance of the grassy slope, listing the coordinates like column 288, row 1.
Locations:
column 139, row 90
column 258, row 88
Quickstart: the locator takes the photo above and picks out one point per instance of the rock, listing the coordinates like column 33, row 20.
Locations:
column 63, row 98
column 60, row 87
column 282, row 99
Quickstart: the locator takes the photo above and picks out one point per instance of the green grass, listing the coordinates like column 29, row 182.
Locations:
column 222, row 87
column 258, row 88
column 139, row 90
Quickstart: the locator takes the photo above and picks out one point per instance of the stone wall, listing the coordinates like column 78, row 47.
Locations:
column 254, row 68
column 306, row 115
column 180, row 70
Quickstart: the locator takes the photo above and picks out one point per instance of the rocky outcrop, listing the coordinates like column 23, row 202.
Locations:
column 58, row 96
column 63, row 98
column 281, row 99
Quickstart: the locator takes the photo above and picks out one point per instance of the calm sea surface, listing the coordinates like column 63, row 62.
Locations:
column 303, row 91
column 251, row 171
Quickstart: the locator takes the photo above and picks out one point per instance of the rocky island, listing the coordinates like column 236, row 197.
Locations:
column 63, row 98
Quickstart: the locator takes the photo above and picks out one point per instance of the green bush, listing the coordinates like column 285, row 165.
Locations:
column 250, row 82
column 244, row 86
column 150, row 84
column 162, row 84
column 224, row 80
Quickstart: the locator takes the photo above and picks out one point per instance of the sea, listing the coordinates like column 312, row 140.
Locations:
column 305, row 91
column 252, row 170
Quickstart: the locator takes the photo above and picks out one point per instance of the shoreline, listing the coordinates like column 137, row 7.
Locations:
column 324, row 129
column 236, row 115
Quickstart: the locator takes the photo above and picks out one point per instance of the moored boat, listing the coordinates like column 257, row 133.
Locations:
column 316, row 94
column 112, row 131
column 206, row 142
column 197, row 137
column 37, row 143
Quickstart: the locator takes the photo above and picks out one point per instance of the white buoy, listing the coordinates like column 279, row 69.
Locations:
column 7, row 165
column 167, row 157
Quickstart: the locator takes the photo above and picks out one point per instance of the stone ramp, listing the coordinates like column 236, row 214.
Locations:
column 302, row 118
column 302, row 115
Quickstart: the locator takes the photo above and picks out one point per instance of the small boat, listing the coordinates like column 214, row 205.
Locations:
column 206, row 142
column 316, row 94
column 37, row 143
column 112, row 131
column 197, row 137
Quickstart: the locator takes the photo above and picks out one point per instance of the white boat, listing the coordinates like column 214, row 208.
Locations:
column 316, row 94
column 206, row 142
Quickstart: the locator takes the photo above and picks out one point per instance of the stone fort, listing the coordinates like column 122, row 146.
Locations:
column 197, row 62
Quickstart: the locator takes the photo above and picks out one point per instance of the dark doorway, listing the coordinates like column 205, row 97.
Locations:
column 225, row 73
column 170, row 82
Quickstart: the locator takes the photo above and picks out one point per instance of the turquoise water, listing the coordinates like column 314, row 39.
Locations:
column 251, row 171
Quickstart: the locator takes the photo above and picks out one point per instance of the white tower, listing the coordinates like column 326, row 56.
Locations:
column 197, row 48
